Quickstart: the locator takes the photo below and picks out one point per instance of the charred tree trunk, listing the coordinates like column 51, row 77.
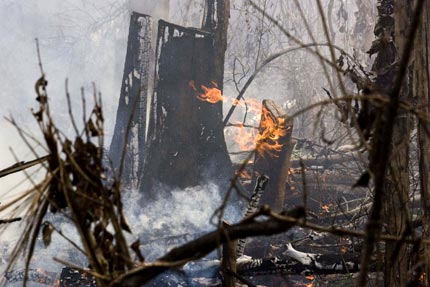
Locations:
column 422, row 91
column 130, row 129
column 397, row 257
column 273, row 154
column 186, row 140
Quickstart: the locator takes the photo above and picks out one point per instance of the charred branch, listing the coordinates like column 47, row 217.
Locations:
column 22, row 165
column 6, row 221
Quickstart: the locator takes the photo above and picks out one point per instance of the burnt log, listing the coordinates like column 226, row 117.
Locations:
column 130, row 128
column 274, row 148
column 186, row 145
column 291, row 262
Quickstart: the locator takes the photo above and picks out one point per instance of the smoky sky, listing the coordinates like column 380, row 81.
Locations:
column 82, row 41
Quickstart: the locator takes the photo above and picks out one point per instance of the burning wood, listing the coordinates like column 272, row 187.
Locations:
column 274, row 150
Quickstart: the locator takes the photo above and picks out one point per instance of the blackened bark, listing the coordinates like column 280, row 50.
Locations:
column 397, row 258
column 186, row 141
column 129, row 135
column 421, row 86
column 382, row 146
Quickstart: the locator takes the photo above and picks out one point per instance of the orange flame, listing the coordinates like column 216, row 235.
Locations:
column 245, row 174
column 212, row 95
column 271, row 131
column 267, row 140
column 326, row 207
column 310, row 277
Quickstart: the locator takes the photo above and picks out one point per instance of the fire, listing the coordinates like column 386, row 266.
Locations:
column 266, row 140
column 312, row 278
column 245, row 138
column 245, row 174
column 212, row 95
column 326, row 207
column 271, row 131
column 344, row 249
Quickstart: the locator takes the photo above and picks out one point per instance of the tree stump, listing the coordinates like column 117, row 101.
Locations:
column 186, row 145
column 132, row 107
column 273, row 154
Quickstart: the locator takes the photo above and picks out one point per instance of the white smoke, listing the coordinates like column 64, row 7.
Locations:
column 185, row 213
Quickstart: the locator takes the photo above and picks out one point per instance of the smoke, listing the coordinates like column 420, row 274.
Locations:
column 177, row 215
column 157, row 9
column 174, row 218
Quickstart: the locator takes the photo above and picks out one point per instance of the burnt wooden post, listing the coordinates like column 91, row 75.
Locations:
column 186, row 145
column 273, row 154
column 132, row 107
column 229, row 269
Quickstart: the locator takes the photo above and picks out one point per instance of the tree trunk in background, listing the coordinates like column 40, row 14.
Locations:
column 131, row 113
column 397, row 257
column 186, row 144
column 391, row 35
column 421, row 86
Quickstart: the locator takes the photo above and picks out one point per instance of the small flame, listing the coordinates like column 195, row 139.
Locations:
column 326, row 207
column 245, row 174
column 344, row 249
column 212, row 95
column 310, row 277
